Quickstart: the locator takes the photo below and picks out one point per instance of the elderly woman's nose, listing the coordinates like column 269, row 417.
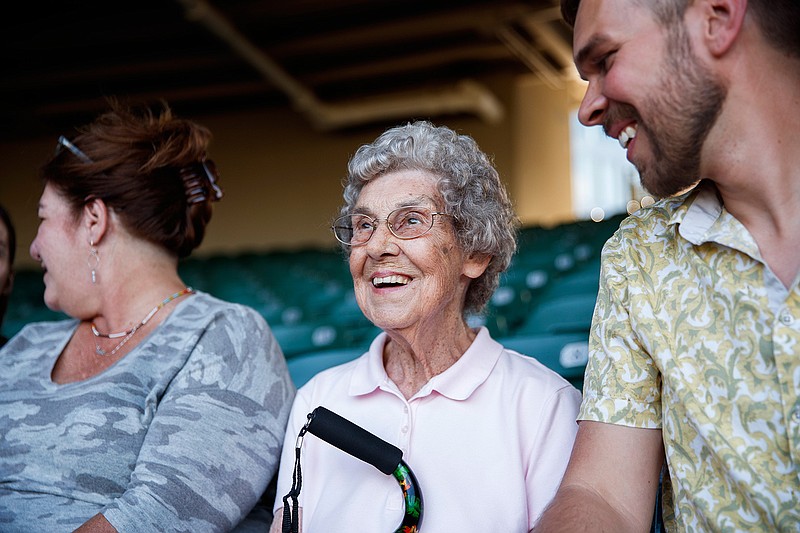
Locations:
column 382, row 240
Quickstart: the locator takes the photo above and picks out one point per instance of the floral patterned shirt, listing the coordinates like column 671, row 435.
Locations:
column 694, row 334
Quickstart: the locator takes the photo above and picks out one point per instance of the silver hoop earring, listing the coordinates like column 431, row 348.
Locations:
column 93, row 261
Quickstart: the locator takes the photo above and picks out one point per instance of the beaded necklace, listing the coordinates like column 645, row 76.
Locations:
column 129, row 333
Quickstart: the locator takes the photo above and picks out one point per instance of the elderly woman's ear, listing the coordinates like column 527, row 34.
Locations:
column 475, row 264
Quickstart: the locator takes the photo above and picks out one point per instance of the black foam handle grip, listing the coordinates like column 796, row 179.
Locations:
column 354, row 439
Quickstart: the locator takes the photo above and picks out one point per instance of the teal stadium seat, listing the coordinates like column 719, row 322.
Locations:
column 565, row 353
column 570, row 313
column 304, row 337
column 584, row 281
column 26, row 303
column 306, row 366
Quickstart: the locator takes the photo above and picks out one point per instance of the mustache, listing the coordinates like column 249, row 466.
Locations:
column 619, row 112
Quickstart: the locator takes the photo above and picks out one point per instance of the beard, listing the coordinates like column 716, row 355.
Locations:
column 680, row 117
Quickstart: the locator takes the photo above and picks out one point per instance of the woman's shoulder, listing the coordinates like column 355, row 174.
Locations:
column 214, row 328
column 528, row 371
column 212, row 303
column 543, row 392
column 224, row 343
column 202, row 309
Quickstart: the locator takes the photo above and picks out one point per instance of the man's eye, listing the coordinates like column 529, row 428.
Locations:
column 605, row 61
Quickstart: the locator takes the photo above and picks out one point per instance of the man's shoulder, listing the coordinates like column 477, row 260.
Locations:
column 660, row 213
column 653, row 224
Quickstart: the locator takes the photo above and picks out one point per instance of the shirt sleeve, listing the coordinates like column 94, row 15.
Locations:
column 622, row 383
column 551, row 449
column 215, row 438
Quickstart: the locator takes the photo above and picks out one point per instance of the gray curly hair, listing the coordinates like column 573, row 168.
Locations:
column 470, row 186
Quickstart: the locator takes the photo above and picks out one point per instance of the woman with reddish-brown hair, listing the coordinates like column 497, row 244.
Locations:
column 156, row 407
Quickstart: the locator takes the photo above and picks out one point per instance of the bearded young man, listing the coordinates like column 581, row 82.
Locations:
column 695, row 345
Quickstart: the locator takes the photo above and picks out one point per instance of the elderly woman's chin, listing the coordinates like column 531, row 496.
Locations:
column 385, row 315
column 391, row 322
column 428, row 302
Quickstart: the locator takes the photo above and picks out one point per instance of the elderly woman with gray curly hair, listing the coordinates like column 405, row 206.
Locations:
column 428, row 228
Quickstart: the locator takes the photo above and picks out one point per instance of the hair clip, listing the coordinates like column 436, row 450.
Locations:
column 200, row 179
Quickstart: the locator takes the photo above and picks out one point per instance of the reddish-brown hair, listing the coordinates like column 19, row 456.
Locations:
column 133, row 160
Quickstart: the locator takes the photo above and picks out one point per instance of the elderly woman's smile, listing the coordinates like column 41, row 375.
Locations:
column 392, row 280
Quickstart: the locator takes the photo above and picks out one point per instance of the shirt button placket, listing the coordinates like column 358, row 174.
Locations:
column 405, row 429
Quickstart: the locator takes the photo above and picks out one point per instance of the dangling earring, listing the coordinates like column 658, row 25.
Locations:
column 94, row 260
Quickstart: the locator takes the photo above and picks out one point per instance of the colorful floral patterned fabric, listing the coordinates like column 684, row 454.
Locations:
column 694, row 335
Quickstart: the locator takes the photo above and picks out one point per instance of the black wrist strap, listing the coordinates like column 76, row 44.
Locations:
column 291, row 516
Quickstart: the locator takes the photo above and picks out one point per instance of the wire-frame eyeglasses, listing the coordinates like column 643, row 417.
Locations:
column 404, row 223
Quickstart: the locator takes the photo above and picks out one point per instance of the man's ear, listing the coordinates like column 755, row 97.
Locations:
column 722, row 23
column 95, row 219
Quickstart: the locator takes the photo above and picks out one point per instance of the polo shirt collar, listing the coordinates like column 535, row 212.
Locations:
column 457, row 382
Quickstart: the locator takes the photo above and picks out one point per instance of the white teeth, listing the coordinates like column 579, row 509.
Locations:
column 626, row 135
column 397, row 280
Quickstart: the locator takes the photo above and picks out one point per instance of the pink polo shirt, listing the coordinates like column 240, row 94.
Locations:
column 488, row 440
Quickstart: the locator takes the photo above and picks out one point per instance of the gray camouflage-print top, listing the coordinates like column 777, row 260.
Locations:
column 181, row 434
